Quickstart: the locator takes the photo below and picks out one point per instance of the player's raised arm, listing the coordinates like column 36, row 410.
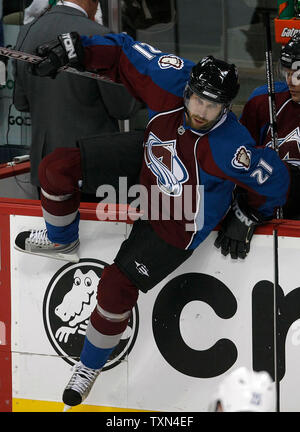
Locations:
column 156, row 78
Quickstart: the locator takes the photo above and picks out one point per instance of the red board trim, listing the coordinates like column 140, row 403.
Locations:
column 5, row 317
column 125, row 213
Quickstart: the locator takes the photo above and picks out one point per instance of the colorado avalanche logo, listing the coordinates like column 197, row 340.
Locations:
column 289, row 147
column 162, row 159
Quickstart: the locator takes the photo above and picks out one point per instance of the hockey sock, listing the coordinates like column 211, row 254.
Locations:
column 98, row 346
column 63, row 234
column 59, row 175
column 116, row 298
column 93, row 357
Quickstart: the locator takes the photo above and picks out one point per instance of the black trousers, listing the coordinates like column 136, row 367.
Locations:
column 146, row 259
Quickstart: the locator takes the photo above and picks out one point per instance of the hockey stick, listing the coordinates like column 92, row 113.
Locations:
column 33, row 59
column 274, row 137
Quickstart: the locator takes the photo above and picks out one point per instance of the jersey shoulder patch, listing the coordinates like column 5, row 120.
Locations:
column 242, row 158
column 170, row 61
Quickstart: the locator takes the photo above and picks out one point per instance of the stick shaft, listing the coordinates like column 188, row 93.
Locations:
column 274, row 137
column 271, row 91
column 33, row 59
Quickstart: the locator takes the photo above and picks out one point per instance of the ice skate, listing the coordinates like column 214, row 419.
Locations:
column 36, row 242
column 79, row 386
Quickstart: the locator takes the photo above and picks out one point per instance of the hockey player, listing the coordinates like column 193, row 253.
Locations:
column 245, row 391
column 255, row 117
column 192, row 139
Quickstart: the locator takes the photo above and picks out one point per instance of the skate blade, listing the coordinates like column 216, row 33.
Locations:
column 70, row 257
column 67, row 408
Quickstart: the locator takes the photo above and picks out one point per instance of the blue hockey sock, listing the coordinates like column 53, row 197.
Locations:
column 93, row 357
column 63, row 234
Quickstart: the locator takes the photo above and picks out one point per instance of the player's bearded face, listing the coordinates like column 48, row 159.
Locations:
column 293, row 81
column 202, row 112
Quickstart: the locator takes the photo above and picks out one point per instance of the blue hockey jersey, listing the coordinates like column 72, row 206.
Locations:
column 192, row 172
column 256, row 118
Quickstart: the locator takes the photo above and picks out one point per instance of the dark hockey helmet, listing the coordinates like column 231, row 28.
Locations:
column 290, row 53
column 214, row 80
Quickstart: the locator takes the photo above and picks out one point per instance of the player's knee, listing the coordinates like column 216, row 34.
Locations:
column 116, row 293
column 60, row 171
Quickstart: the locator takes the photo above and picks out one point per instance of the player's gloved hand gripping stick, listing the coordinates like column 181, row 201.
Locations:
column 60, row 52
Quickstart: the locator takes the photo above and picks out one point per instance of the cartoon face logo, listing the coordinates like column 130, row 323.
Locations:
column 78, row 303
column 70, row 298
column 162, row 159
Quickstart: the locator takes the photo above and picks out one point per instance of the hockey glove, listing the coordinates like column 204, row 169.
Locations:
column 236, row 232
column 66, row 50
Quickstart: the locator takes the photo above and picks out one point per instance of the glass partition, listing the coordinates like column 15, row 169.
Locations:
column 15, row 127
column 232, row 30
